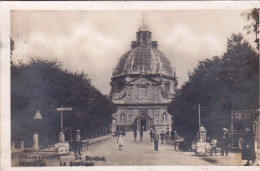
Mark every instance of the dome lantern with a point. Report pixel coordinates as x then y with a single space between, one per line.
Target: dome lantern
144 35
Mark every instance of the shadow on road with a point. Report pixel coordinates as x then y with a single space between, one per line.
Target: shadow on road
210 160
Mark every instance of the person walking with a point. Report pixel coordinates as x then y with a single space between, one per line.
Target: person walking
77 143
248 147
155 140
213 144
162 137
172 136
120 140
135 135
225 142
167 137
141 135
151 135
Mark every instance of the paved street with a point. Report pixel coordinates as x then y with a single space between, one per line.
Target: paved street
140 154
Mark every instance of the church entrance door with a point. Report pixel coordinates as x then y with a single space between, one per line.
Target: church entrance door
143 124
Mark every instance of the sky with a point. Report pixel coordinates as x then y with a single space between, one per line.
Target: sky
94 41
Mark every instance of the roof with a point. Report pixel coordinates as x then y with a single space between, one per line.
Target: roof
143 59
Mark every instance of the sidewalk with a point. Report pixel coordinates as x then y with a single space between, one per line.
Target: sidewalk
98 139
51 148
233 158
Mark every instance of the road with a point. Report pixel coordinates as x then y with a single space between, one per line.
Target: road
143 154
140 154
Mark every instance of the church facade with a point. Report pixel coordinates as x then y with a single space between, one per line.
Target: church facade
143 83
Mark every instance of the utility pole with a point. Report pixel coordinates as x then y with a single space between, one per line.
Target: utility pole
61 110
199 113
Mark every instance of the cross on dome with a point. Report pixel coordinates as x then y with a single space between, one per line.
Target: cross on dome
144 27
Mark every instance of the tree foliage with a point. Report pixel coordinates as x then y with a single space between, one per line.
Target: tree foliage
252 16
43 85
219 84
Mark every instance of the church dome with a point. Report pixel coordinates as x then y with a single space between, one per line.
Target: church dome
144 57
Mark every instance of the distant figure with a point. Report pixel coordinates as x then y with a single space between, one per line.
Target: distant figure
135 135
172 136
167 137
213 144
77 141
156 139
225 142
141 135
123 132
116 132
151 135
120 140
162 137
248 147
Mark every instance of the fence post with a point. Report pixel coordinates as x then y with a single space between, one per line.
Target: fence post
35 141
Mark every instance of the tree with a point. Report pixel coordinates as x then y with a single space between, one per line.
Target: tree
253 16
43 85
219 84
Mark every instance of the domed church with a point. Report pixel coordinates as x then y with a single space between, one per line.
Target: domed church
143 83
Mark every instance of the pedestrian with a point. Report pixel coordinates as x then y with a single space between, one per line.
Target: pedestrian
141 135
77 141
167 137
225 142
213 144
123 131
162 137
135 135
120 140
172 136
248 147
156 139
151 135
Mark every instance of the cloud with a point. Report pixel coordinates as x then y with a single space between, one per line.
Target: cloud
85 49
182 38
93 41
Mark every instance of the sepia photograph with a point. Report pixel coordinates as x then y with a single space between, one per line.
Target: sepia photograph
93 88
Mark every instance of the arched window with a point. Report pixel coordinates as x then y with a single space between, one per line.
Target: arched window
122 117
167 88
164 117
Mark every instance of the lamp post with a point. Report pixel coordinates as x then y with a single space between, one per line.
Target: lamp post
257 127
175 139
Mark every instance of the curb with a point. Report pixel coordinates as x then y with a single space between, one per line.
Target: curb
93 142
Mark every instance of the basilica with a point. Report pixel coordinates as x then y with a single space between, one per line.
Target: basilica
143 83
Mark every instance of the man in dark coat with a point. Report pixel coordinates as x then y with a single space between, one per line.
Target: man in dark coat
167 136
225 142
77 141
155 140
151 135
162 135
248 147
135 135
141 135
172 136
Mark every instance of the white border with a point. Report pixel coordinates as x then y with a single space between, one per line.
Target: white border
6 7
